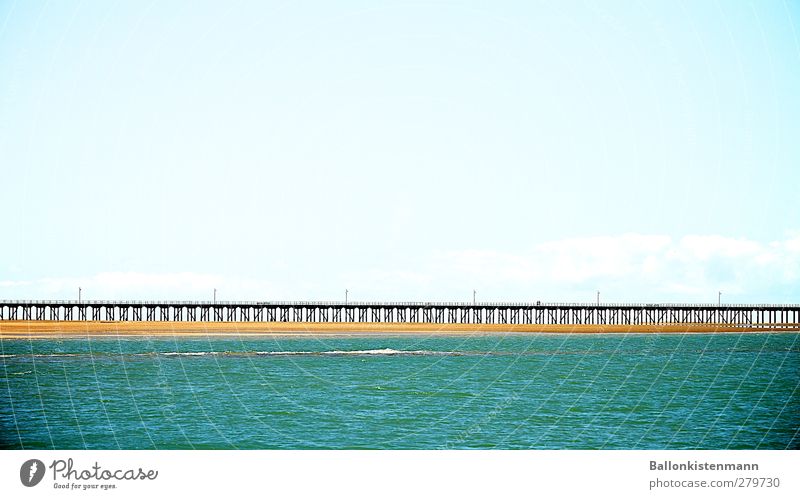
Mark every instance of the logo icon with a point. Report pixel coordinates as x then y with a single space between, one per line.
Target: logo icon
31 472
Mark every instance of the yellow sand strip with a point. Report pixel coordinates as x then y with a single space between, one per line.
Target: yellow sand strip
59 329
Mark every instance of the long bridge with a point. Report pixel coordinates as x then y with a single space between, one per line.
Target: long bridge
755 315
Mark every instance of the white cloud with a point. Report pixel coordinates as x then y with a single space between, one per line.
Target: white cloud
569 260
628 267
690 268
703 248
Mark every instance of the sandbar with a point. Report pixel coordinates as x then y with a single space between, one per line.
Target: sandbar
14 329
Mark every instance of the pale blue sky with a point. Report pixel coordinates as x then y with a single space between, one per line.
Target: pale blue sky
406 150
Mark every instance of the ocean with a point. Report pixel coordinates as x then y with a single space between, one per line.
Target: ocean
520 391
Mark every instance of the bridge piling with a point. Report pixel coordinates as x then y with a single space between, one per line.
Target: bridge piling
435 313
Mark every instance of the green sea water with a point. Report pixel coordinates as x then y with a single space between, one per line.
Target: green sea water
616 391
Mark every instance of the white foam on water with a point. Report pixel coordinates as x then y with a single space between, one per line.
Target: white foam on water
286 353
188 354
380 351
39 355
276 353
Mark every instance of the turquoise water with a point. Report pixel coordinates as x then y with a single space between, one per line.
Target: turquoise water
509 392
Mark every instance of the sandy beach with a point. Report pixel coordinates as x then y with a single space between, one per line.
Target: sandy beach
65 329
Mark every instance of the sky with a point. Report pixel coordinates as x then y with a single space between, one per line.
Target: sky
404 150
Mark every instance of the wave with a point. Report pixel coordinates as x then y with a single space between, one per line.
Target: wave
29 355
287 353
275 353
381 351
187 354
386 352
279 353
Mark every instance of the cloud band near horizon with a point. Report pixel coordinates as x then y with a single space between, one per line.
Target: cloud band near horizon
627 267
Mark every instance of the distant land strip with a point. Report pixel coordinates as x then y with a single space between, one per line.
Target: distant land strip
37 329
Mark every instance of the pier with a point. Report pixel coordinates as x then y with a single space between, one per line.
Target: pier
750 315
